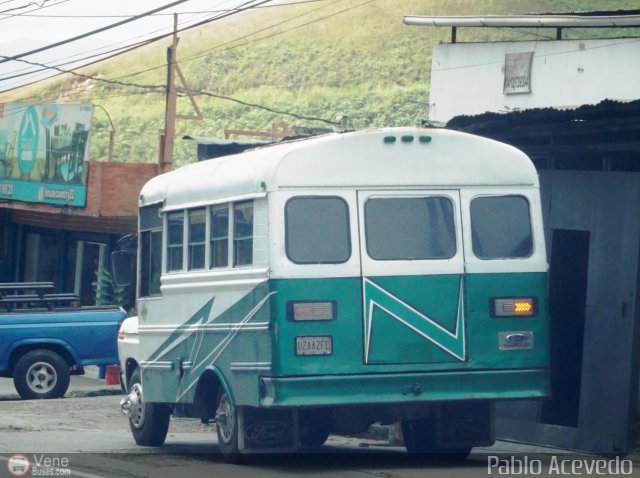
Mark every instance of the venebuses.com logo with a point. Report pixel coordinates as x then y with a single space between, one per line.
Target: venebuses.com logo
18 465
37 465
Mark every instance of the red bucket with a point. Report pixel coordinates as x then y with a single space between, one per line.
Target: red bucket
111 375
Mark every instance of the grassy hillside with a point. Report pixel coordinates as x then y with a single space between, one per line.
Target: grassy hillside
318 59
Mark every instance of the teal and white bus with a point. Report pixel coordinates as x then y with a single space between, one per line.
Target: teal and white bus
321 285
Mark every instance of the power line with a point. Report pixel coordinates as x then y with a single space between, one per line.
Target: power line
165 14
29 71
159 88
26 6
93 32
117 51
243 7
95 52
283 31
259 106
202 54
7 16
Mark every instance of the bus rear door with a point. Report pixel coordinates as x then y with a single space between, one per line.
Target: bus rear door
412 264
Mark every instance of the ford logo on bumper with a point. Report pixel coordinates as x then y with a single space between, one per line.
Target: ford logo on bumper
521 340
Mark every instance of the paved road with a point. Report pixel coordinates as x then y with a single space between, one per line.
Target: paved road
91 433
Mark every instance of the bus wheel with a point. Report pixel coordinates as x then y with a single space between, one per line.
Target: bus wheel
149 422
315 426
420 439
227 427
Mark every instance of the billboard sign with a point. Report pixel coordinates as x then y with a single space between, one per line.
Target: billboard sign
44 152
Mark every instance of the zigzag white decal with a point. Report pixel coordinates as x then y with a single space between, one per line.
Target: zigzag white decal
375 296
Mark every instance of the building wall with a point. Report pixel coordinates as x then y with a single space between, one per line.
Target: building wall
606 207
588 161
468 78
112 200
116 187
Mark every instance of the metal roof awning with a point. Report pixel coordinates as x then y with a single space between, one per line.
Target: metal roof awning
527 21
618 19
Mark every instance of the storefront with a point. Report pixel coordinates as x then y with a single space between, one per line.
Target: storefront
71 245
60 213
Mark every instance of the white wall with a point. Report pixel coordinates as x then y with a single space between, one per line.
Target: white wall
467 78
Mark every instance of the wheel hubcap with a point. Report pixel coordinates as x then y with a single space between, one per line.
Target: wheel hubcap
225 418
135 406
42 377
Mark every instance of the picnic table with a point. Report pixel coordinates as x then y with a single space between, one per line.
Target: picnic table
18 296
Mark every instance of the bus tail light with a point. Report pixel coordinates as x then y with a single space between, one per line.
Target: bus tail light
307 311
514 307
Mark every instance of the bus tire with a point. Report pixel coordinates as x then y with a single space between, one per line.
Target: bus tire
41 374
149 422
315 426
420 439
227 427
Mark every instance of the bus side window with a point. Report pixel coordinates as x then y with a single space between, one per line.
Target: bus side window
175 225
501 227
243 233
150 250
197 241
219 217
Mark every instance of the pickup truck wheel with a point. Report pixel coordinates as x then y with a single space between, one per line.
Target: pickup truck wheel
149 422
41 374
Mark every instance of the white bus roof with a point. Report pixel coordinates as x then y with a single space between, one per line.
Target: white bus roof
357 160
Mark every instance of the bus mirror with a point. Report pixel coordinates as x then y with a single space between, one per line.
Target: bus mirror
121 269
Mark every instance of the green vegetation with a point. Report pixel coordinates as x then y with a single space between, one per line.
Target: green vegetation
319 59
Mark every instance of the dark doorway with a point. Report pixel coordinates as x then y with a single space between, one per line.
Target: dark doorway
567 307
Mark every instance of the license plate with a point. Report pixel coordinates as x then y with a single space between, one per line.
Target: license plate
314 345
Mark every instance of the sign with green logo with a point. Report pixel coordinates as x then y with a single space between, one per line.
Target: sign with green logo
44 152
28 140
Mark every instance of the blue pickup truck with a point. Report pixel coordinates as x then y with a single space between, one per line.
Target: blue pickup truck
46 337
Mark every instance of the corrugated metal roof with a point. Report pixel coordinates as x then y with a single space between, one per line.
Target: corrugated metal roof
220 141
603 108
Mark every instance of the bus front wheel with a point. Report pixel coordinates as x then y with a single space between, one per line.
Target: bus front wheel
149 422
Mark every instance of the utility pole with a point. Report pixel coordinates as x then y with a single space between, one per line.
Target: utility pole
166 140
167 135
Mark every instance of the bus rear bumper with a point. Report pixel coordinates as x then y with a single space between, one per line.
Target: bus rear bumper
330 390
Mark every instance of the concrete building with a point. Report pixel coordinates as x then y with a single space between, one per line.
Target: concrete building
574 107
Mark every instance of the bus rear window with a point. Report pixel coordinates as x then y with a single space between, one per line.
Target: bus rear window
501 227
410 228
317 230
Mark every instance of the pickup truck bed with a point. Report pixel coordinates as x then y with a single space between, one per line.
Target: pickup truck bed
41 347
